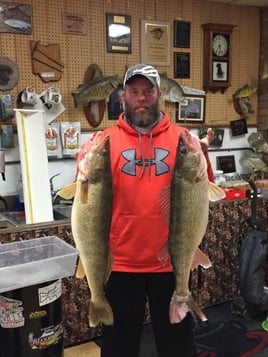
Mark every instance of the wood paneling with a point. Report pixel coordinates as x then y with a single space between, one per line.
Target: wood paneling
78 51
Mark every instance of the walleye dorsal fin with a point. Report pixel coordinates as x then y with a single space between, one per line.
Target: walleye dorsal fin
67 192
164 203
215 193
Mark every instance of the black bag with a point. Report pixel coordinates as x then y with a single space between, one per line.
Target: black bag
253 254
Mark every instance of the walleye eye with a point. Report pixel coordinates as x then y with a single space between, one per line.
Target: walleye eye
183 150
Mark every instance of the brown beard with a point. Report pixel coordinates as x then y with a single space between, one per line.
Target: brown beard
142 120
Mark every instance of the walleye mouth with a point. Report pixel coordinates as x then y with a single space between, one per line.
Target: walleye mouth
189 145
189 142
182 148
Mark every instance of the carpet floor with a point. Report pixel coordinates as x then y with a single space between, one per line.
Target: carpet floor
225 334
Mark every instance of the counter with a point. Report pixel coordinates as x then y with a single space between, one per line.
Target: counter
216 285
221 243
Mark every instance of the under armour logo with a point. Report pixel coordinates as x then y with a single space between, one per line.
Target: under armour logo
132 162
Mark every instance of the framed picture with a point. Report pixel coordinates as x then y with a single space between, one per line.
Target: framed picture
73 24
220 71
155 42
218 135
182 32
239 127
191 109
16 18
226 163
116 103
181 65
118 33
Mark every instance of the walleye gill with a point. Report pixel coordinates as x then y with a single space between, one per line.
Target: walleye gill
90 220
189 209
98 89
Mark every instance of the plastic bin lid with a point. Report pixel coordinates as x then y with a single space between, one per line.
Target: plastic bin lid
35 261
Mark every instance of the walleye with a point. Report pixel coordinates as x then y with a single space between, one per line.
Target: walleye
170 89
91 218
98 89
190 192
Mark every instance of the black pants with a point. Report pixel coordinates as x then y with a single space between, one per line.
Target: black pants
127 294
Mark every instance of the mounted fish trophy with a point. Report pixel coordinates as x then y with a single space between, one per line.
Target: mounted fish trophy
171 91
258 160
94 92
9 74
241 100
96 89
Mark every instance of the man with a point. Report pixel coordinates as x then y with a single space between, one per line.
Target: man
192 110
117 104
143 149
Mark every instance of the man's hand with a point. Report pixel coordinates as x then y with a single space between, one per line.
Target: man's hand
205 142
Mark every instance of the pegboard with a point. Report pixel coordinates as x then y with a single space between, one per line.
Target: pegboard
79 51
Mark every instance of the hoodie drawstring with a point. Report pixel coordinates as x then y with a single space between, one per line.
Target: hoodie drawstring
143 160
150 154
142 156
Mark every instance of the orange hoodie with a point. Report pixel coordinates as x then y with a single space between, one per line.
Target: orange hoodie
142 166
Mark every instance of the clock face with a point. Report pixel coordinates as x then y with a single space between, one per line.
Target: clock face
219 45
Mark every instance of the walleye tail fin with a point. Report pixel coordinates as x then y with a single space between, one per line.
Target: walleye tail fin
100 313
180 306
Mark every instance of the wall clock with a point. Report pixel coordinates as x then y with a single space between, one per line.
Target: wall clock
217 56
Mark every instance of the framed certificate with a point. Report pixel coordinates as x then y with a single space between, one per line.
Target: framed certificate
155 42
181 65
118 33
182 33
